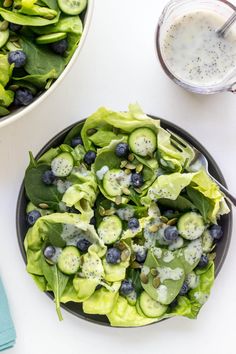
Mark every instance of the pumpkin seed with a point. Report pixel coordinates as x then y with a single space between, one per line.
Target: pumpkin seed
154 272
126 191
121 246
131 157
43 206
118 199
123 163
125 255
101 211
144 278
13 39
130 166
172 221
153 228
139 168
4 25
127 172
109 212
17 44
7 3
91 131
136 265
164 219
156 282
14 87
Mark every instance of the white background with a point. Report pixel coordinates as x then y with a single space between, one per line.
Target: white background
117 65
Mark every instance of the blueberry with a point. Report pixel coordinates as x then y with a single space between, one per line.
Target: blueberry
184 289
89 157
76 141
60 47
126 287
122 150
48 177
203 261
216 232
32 216
23 97
137 180
17 57
173 304
83 244
14 27
171 234
113 255
93 221
133 223
141 256
49 252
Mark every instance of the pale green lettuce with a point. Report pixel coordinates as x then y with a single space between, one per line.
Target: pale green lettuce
105 121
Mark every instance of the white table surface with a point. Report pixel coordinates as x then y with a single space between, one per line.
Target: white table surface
117 65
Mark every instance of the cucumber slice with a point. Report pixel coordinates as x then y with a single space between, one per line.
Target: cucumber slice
143 141
4 35
138 308
114 181
62 165
50 38
69 260
150 307
191 225
110 229
72 7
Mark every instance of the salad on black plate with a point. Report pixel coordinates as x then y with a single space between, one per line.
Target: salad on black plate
117 223
37 40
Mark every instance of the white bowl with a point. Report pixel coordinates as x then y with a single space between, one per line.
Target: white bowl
18 113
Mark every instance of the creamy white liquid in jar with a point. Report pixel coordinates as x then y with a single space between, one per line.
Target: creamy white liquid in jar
193 51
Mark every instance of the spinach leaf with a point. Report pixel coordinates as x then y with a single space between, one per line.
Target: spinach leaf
180 203
107 158
75 131
38 81
41 61
52 4
57 282
54 231
134 275
25 20
37 191
3 111
202 203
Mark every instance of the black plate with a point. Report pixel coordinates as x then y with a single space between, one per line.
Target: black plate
225 221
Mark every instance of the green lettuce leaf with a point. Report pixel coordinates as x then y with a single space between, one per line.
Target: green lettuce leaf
125 122
5 70
6 97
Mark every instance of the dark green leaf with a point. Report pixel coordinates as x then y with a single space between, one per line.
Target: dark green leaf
74 132
181 203
37 191
202 203
52 4
134 275
57 282
41 61
54 231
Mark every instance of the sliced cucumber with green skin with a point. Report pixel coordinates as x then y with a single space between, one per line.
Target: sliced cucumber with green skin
138 308
62 165
150 307
4 35
50 38
114 181
191 225
110 229
143 141
69 260
72 7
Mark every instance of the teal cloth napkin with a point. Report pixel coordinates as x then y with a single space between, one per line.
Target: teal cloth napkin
7 330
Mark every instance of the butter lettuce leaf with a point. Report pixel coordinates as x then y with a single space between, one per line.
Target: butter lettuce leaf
106 121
